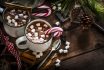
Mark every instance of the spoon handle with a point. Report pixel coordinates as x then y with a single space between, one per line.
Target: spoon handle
45 59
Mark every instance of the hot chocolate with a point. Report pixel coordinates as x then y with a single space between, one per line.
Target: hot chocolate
16 17
35 32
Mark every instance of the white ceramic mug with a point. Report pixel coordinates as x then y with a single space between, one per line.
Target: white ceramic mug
35 47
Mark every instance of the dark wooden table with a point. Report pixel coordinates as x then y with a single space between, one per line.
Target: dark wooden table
81 42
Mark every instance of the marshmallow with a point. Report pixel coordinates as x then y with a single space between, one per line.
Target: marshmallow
25 16
32 26
16 17
58 61
21 15
54 7
8 17
9 21
33 30
43 36
15 24
67 43
57 64
13 20
65 51
57 23
61 51
41 40
39 28
13 10
45 25
37 56
29 34
38 24
67 47
36 34
41 54
24 21
19 10
24 12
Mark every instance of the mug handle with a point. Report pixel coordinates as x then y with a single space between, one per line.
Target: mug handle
21 42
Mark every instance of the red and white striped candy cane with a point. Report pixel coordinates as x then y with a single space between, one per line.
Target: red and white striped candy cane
49 11
56 30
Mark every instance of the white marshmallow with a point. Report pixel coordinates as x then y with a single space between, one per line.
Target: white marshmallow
37 56
13 10
59 8
24 21
36 34
58 61
57 64
9 21
67 47
41 40
61 51
25 16
24 12
54 7
33 30
38 24
41 54
29 34
45 25
67 43
39 28
15 23
57 23
13 20
8 17
19 10
65 51
32 26
16 17
43 36
21 15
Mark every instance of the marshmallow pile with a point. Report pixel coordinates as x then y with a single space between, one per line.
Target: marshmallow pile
65 50
16 17
38 55
36 32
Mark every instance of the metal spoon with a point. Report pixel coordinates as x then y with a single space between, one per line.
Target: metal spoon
56 45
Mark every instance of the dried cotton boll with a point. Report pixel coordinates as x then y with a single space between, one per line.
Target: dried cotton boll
59 8
67 43
45 25
36 34
43 36
13 10
9 21
38 56
59 4
40 28
41 53
15 24
13 20
29 34
25 16
24 21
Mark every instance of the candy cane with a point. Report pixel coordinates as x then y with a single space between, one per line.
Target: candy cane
56 30
43 14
